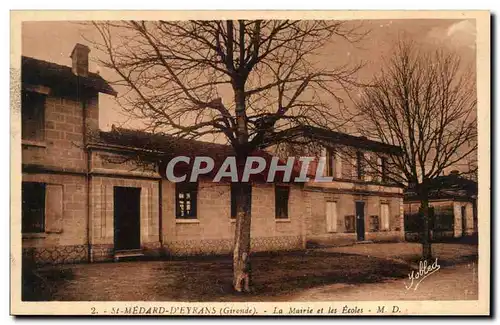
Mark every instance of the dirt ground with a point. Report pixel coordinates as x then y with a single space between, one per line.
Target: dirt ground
459 282
356 272
447 253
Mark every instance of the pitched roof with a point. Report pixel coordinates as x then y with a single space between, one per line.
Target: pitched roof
165 147
349 140
162 144
39 72
450 186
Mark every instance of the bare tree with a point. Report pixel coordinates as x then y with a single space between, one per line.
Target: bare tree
425 103
254 82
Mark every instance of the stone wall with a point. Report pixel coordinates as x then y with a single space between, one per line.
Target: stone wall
455 206
212 232
317 232
67 242
63 143
74 214
102 213
469 219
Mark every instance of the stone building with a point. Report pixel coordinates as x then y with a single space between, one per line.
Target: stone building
453 200
87 197
360 204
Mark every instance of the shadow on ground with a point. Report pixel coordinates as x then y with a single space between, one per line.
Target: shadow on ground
205 278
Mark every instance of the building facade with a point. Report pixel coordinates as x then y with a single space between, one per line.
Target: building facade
453 202
87 198
360 204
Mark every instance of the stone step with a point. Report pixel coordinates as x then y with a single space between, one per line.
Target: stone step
364 242
132 253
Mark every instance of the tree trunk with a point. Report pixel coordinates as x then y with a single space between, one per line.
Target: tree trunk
426 236
241 253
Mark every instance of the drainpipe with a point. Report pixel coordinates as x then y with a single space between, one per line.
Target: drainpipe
160 213
89 214
83 100
80 68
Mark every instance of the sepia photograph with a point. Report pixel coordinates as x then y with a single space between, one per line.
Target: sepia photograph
250 163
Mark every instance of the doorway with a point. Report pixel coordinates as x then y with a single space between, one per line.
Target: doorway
127 212
360 220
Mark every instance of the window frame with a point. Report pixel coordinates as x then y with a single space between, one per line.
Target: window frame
353 230
190 188
25 229
383 167
331 161
377 223
278 188
360 165
37 102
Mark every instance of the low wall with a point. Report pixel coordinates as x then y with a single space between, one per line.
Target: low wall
342 239
55 254
225 246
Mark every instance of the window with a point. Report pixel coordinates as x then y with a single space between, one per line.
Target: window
234 193
33 207
443 220
384 212
383 167
281 194
185 197
374 223
331 216
32 116
349 223
347 168
330 162
359 165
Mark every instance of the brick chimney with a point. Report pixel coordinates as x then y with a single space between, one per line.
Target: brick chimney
80 58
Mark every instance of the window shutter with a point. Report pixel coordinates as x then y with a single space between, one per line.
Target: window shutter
379 170
331 216
368 168
338 165
385 216
54 208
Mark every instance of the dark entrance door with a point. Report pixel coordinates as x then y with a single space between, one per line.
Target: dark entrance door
464 220
360 220
127 211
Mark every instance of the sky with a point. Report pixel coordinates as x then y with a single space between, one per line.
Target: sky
54 40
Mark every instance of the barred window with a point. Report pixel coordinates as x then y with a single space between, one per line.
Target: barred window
350 225
185 200
374 223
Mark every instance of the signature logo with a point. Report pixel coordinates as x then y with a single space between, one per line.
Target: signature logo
424 270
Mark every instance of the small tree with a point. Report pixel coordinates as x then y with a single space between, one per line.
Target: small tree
254 82
424 103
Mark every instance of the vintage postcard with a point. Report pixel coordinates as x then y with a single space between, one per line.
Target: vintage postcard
282 163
